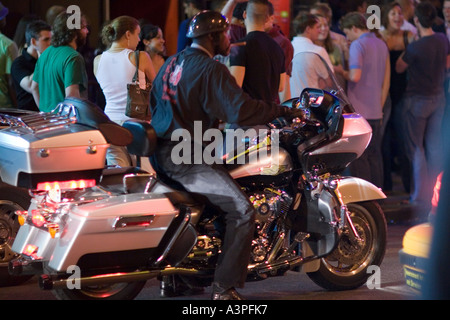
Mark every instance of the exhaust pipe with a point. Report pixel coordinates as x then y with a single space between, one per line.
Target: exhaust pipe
283 264
47 282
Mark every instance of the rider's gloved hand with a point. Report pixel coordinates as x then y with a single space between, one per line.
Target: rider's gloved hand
292 113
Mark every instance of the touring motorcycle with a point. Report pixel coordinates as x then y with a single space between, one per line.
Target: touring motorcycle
99 233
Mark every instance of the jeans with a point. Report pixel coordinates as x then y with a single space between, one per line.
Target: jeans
393 146
423 124
215 183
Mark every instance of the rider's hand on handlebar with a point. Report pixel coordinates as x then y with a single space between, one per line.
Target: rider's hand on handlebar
293 113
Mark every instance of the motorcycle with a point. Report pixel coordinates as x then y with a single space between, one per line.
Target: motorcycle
96 233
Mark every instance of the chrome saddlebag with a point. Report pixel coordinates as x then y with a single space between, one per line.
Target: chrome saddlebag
86 232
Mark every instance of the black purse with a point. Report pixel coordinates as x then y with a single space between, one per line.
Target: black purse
138 99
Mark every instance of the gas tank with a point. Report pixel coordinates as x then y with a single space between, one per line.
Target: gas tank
269 162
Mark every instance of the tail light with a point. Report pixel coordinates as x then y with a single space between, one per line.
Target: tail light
65 185
37 218
30 250
437 188
52 206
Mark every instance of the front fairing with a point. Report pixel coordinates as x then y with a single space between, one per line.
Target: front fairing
326 102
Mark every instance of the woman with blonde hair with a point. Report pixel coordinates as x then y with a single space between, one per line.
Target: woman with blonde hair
115 68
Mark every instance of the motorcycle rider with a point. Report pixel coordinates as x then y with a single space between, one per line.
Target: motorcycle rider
192 87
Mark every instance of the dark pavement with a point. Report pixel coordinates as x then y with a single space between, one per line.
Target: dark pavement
397 208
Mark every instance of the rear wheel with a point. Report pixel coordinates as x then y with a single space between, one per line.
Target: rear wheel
116 291
11 199
346 267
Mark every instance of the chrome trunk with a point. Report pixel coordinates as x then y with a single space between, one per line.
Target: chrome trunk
47 145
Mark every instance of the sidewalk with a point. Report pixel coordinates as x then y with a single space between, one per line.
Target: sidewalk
398 210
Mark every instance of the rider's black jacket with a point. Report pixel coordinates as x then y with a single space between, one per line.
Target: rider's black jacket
193 87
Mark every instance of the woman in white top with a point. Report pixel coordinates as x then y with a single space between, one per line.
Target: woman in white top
115 68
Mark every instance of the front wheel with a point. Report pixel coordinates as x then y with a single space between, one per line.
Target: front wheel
346 267
116 291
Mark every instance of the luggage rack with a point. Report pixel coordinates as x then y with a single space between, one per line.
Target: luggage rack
61 116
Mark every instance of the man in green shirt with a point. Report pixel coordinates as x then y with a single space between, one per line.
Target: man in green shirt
8 52
60 71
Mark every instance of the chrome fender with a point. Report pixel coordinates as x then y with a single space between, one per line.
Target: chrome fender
351 189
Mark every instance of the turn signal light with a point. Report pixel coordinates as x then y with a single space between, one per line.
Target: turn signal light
21 216
21 220
53 229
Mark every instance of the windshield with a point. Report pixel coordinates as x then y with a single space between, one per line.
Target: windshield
310 70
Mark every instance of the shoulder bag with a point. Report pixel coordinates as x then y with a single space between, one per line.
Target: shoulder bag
138 99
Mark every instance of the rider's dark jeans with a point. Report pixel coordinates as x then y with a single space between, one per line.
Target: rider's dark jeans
214 182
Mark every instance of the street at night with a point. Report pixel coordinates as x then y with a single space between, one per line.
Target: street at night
292 286
169 151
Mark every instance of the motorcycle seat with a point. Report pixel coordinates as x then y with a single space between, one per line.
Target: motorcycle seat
112 177
113 180
144 138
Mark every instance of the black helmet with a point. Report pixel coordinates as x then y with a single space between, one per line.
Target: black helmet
206 22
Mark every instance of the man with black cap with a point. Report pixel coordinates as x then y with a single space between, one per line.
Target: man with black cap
8 52
192 88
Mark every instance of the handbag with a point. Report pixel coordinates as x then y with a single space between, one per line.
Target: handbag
138 99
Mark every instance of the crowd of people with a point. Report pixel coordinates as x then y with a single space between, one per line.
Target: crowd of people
395 76
386 73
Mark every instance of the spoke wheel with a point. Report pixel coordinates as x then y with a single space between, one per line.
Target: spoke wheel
116 291
346 267
11 199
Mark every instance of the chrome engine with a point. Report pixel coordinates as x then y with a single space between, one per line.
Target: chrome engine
206 248
269 204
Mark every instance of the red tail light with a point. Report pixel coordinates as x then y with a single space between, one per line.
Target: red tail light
30 250
64 185
37 218
437 188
